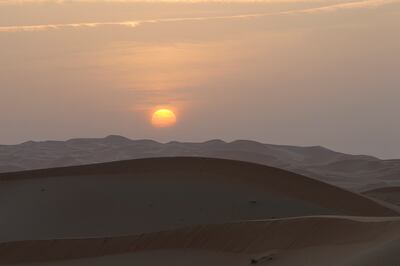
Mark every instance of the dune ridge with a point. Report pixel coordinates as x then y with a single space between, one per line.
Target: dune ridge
386 194
269 179
356 172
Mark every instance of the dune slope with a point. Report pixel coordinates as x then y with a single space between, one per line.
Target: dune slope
356 172
150 195
290 241
388 194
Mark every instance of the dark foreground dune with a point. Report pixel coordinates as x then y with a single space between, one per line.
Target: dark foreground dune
296 241
388 194
184 211
148 195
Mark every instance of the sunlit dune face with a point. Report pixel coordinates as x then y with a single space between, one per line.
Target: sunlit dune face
163 118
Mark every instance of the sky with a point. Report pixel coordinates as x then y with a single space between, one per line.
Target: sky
308 72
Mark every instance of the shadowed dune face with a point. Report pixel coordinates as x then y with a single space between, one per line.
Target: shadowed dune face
297 241
149 195
387 194
168 257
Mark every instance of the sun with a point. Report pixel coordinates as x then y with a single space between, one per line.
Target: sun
163 118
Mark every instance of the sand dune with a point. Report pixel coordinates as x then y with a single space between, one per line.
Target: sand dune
356 172
148 195
187 211
387 194
291 241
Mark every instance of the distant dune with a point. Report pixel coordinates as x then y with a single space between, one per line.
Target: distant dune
356 172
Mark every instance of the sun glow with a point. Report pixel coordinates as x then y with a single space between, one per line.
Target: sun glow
163 118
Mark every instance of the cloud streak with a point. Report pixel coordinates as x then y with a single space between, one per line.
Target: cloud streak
14 2
135 23
343 6
44 27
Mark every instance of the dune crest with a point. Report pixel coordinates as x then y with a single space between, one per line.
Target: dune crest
356 172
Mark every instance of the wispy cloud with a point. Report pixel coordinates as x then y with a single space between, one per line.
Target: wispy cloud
135 23
132 24
13 2
68 25
343 6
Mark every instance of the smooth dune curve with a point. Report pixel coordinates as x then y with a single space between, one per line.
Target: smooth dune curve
305 240
387 194
150 195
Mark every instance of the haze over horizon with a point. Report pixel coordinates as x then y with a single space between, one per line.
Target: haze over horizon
164 142
281 72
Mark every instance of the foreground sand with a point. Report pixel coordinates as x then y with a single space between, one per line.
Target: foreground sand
188 211
292 241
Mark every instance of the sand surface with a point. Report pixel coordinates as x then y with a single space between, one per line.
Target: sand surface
355 172
188 211
387 194
291 241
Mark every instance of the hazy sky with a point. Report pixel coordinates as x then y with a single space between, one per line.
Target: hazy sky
305 72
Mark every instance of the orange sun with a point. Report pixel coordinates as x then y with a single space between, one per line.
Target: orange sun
163 118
